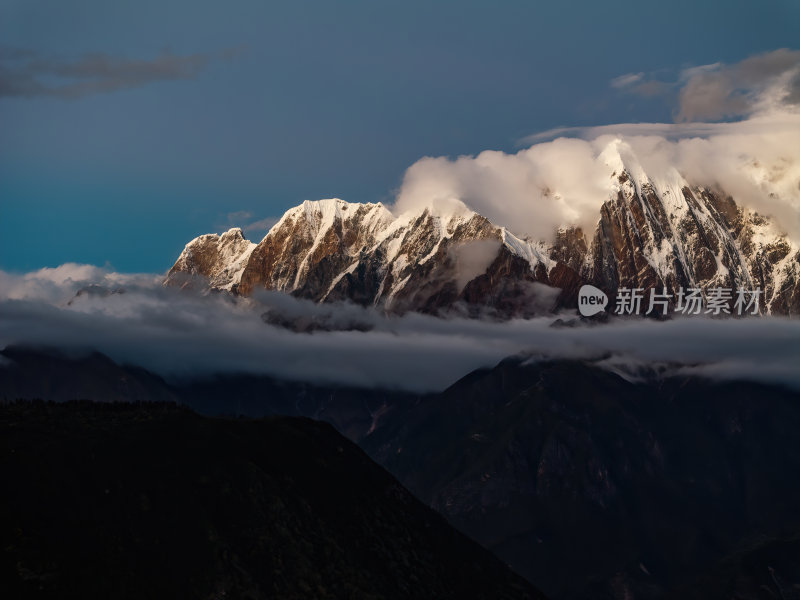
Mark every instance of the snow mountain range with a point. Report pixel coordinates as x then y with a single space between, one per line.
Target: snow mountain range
651 232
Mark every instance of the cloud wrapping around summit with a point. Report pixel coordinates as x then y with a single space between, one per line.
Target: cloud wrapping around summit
134 319
565 181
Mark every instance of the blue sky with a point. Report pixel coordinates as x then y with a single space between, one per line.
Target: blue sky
290 101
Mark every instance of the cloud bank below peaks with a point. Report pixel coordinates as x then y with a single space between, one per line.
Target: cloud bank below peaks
563 182
179 333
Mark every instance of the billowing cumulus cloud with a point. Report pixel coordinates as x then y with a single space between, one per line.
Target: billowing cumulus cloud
532 192
135 320
564 181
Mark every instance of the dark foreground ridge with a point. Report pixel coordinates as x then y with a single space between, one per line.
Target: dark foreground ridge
589 484
154 501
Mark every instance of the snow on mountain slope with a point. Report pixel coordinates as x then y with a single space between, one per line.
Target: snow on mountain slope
221 259
651 232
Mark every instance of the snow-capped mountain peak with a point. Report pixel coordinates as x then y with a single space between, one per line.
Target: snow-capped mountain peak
652 232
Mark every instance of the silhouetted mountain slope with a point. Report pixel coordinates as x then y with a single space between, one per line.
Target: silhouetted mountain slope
766 568
589 484
50 374
594 486
153 501
355 412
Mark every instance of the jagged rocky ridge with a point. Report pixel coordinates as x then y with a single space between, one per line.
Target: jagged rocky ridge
650 233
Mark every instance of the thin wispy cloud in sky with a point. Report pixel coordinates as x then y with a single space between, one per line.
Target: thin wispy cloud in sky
723 91
245 219
26 73
626 80
261 225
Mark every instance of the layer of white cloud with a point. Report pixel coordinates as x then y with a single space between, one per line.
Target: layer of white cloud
178 333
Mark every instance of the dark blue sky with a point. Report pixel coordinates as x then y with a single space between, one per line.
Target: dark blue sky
305 100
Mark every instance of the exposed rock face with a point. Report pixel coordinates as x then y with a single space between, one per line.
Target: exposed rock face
313 246
217 260
332 250
650 234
